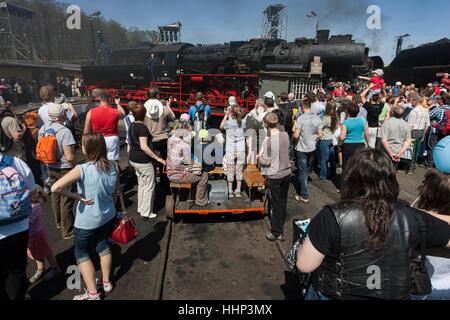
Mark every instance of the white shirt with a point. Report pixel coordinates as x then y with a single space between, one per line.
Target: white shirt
21 226
318 108
439 270
419 118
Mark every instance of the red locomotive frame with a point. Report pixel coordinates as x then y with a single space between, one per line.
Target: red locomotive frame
217 88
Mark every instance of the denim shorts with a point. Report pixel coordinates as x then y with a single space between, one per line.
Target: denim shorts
86 239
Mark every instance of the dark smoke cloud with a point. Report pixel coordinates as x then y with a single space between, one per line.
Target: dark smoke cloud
351 16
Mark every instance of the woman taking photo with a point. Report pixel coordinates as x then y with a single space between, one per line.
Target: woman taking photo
327 156
235 149
354 133
141 157
97 181
368 230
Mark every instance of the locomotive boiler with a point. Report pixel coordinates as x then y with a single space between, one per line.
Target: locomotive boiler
239 68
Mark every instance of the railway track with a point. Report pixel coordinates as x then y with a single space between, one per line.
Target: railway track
192 253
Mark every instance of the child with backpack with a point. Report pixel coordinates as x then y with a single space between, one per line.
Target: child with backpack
16 181
235 150
39 248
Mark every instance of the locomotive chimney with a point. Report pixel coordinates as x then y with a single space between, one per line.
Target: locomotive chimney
323 36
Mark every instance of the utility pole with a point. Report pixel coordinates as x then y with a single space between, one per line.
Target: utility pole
94 47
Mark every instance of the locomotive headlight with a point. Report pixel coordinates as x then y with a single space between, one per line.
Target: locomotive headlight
165 74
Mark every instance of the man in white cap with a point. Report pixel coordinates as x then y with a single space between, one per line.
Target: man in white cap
397 88
157 121
271 95
62 206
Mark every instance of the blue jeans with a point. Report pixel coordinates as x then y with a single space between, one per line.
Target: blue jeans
304 162
327 156
312 295
436 295
85 238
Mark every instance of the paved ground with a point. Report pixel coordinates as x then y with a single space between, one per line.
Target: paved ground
209 258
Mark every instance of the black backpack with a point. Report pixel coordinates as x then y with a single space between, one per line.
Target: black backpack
287 116
200 117
6 142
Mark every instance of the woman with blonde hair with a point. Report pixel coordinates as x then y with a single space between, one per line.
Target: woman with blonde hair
235 149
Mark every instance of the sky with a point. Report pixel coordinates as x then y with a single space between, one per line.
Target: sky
219 21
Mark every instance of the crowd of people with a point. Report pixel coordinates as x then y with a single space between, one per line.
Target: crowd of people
18 92
364 136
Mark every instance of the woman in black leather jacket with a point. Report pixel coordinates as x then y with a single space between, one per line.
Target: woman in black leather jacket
363 247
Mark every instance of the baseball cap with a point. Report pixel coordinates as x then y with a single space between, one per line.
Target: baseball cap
55 110
442 155
270 95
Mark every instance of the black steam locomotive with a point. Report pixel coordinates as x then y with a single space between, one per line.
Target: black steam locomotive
233 68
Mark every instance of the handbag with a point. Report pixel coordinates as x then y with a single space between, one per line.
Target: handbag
420 280
303 280
124 227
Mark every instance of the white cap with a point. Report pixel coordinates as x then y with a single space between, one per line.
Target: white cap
399 84
379 72
232 101
270 95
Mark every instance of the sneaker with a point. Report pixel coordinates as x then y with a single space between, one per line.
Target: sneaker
52 274
107 287
271 237
238 195
300 199
36 277
230 195
87 297
149 216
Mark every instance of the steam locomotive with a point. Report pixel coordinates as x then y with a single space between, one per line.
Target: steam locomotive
242 69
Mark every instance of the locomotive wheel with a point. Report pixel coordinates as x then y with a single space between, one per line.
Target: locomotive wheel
170 208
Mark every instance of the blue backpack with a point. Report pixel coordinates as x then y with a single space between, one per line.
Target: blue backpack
15 204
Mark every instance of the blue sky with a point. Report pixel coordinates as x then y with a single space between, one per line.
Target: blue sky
218 21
